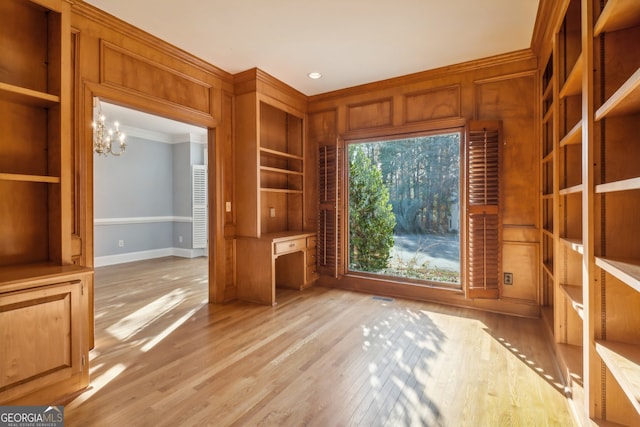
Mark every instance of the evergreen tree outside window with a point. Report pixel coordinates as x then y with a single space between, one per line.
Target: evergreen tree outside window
371 219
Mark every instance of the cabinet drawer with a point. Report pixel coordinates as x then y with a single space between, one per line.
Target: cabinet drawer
311 242
312 273
311 256
290 246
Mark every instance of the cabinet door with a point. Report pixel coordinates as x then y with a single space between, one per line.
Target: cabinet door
41 341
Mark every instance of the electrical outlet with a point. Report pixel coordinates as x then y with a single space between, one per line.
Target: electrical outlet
180 239
508 278
227 207
272 212
121 243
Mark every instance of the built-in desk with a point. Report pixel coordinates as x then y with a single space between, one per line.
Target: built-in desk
286 259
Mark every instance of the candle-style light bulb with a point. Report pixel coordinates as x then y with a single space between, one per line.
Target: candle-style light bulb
104 135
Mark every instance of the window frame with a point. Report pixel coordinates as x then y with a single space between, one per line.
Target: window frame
347 140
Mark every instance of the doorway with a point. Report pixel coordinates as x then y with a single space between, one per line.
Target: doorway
150 201
151 276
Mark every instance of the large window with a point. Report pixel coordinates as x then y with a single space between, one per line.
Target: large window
404 208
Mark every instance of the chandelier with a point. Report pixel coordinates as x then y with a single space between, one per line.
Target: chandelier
105 136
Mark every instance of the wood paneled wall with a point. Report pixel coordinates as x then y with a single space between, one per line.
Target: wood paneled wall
124 65
499 88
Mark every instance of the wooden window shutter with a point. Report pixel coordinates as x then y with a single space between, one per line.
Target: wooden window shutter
484 222
199 209
328 225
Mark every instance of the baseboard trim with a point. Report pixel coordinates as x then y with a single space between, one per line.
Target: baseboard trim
106 260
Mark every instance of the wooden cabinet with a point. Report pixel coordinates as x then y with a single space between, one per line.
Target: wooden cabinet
590 198
270 189
285 259
44 301
45 333
312 259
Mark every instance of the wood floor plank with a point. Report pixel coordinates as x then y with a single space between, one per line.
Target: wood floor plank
321 357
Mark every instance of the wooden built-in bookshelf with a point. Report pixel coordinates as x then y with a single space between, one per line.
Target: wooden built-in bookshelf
42 293
593 242
270 194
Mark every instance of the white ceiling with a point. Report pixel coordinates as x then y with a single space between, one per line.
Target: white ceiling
351 42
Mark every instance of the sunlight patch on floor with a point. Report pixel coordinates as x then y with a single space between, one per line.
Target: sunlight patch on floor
531 364
97 384
171 278
162 335
139 319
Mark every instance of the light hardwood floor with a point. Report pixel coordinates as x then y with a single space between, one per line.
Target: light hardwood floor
321 357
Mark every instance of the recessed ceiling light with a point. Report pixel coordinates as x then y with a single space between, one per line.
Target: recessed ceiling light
314 75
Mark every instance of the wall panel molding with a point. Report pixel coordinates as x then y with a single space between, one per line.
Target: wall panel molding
371 114
322 126
430 104
521 259
110 22
124 69
512 98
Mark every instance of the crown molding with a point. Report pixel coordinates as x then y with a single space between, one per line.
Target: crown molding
257 80
478 64
548 20
105 19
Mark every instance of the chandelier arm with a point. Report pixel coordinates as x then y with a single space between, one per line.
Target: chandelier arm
104 136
